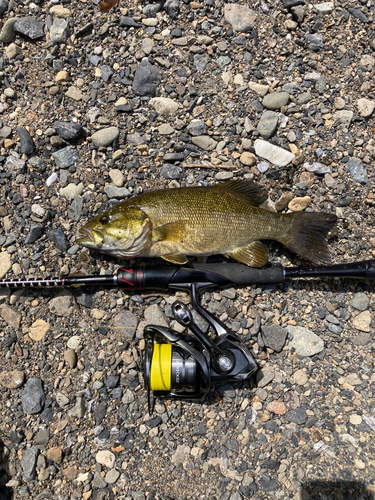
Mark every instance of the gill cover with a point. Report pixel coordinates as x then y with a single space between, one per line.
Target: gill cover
124 231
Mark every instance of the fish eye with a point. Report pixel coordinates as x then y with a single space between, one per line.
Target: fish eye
104 220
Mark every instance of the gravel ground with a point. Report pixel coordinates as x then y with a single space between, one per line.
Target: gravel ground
95 107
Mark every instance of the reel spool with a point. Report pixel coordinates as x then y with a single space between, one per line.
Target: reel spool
184 366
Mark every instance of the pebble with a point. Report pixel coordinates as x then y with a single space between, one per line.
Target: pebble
154 316
299 204
32 396
74 342
59 31
276 407
7 33
360 301
62 304
70 357
105 136
169 171
58 237
117 177
362 321
267 124
258 88
113 191
5 263
12 379
300 377
365 107
68 130
146 79
275 100
12 50
317 168
10 315
164 106
106 458
344 116
240 17
274 337
112 476
125 322
357 170
205 142
30 27
274 154
28 463
35 232
65 157
304 342
248 159
55 454
39 329
74 93
197 128
71 191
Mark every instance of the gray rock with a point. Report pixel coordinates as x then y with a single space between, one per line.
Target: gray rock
14 165
125 323
59 239
263 166
27 144
105 136
357 170
32 396
68 130
200 62
365 107
106 72
274 337
94 59
344 116
298 13
78 409
358 14
172 8
4 4
240 17
129 22
304 341
60 30
223 61
113 191
169 171
10 315
75 209
98 482
28 463
267 124
62 305
155 316
317 168
304 98
197 127
36 231
204 142
275 100
128 397
360 301
324 7
224 176
297 416
291 3
164 106
146 79
174 157
150 10
7 33
274 154
29 26
265 375
65 157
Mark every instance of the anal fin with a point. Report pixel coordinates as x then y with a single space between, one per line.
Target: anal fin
255 254
176 258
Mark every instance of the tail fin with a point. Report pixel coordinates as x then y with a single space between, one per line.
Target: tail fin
307 236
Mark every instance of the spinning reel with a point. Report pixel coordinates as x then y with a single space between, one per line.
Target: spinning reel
185 365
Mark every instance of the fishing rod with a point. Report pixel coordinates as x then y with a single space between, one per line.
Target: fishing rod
186 365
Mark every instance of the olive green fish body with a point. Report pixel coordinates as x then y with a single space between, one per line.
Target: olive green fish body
197 221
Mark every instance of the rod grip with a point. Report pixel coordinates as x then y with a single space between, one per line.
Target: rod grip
242 275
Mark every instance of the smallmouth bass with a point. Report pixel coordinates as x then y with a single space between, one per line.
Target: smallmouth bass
201 221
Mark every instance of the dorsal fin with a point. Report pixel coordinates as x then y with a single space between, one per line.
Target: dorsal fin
249 191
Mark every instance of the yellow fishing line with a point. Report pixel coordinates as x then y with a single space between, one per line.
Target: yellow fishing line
161 367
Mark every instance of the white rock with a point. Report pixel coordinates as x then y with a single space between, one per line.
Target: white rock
274 154
164 105
106 457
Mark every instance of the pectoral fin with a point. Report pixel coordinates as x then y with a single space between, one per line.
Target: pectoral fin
255 254
174 232
179 259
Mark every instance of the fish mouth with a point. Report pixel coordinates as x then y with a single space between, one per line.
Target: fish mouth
89 238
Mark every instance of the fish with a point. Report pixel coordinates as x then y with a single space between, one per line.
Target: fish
206 220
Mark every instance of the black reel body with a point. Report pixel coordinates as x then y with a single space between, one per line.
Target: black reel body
185 365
